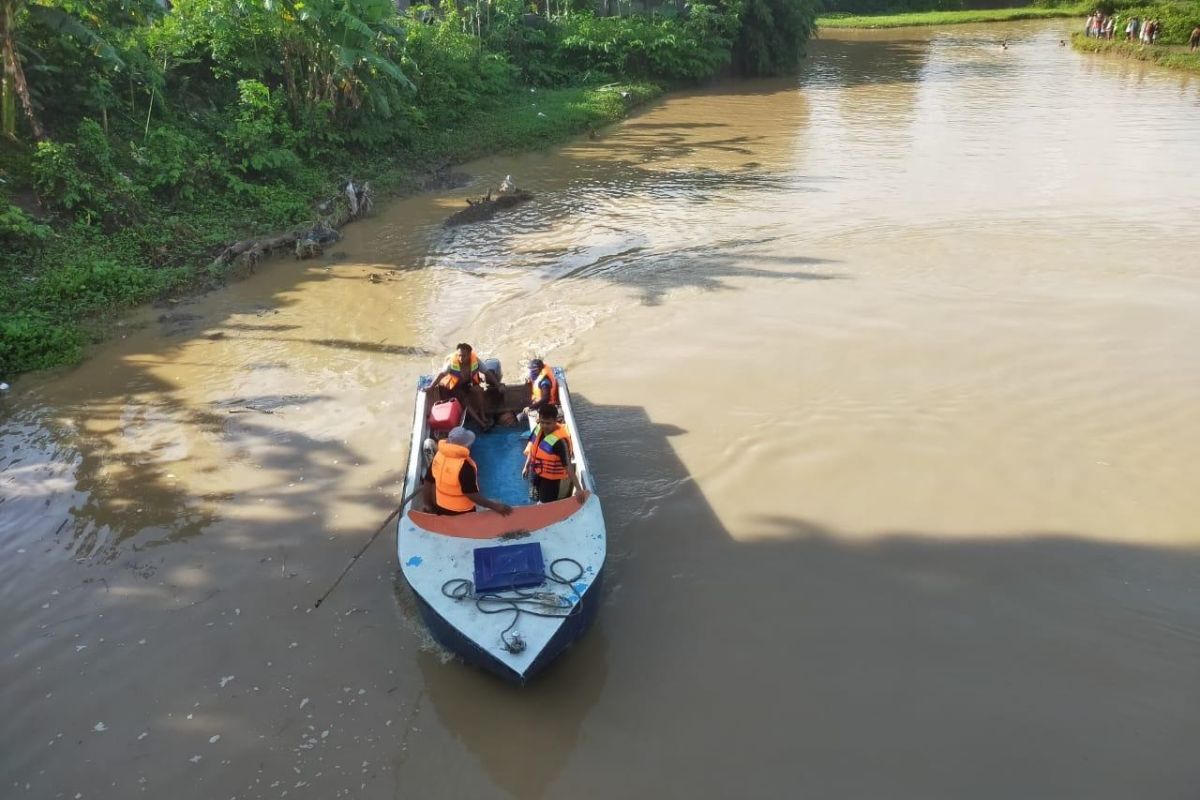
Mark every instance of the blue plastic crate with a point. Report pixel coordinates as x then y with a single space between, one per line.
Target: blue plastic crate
513 566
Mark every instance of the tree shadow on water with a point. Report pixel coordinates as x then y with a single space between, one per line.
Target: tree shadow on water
905 664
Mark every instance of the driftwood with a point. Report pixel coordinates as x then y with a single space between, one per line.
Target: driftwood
487 207
352 201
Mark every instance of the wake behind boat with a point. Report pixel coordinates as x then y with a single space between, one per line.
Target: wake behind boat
506 593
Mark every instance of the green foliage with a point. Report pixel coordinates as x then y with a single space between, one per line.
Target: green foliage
452 74
158 136
80 288
30 340
82 178
260 138
167 162
1158 54
772 34
17 230
671 48
1177 18
41 326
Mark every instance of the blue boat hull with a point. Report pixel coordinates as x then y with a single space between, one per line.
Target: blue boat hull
571 631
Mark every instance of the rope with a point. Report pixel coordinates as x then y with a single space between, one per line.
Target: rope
535 604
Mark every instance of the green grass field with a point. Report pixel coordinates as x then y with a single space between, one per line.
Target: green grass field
920 18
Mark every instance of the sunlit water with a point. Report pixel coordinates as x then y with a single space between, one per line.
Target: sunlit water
890 378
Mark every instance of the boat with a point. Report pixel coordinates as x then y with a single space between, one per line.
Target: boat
505 593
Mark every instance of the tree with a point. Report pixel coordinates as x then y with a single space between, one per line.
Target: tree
14 86
63 19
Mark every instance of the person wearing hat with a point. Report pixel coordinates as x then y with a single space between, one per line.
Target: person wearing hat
452 480
543 386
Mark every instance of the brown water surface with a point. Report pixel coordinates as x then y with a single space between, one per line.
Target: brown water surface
890 376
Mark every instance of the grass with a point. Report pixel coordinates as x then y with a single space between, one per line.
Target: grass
1163 55
83 279
921 18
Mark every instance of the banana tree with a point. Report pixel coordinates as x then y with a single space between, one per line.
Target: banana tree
15 18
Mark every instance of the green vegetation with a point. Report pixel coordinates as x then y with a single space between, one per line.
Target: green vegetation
1173 57
914 18
1177 17
138 142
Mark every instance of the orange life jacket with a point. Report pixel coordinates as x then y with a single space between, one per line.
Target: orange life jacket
546 373
447 465
546 464
454 370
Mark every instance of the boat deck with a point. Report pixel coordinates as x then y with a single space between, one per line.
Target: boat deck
499 454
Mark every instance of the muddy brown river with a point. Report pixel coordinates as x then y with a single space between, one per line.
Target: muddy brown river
890 379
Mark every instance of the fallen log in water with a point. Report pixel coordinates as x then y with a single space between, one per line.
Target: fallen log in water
352 201
487 207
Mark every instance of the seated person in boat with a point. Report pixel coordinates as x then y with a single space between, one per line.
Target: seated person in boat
543 386
452 480
463 377
548 457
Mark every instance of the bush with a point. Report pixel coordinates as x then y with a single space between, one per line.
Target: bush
261 138
17 231
452 74
771 35
31 340
82 178
84 288
1178 19
671 48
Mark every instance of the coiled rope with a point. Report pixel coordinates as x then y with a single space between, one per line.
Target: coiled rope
536 604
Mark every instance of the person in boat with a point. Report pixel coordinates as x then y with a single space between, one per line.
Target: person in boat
452 480
548 459
463 377
543 386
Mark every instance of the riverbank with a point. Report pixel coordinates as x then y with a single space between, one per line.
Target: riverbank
1163 55
86 279
924 18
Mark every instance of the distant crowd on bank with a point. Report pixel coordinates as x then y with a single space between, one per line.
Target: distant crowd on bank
1107 26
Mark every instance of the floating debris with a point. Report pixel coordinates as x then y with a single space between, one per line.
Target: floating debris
195 759
225 681
303 703
100 727
143 735
214 739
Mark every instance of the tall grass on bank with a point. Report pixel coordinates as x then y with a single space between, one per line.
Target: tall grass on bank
924 18
1164 56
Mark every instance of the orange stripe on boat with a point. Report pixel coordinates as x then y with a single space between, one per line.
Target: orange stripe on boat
490 525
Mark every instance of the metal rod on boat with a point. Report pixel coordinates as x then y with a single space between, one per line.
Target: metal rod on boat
374 536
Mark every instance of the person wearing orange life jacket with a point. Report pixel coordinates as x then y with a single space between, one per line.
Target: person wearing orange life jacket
543 386
452 480
462 377
548 459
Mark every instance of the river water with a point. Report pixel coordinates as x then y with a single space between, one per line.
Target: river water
889 375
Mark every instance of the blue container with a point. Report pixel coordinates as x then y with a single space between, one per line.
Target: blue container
513 566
